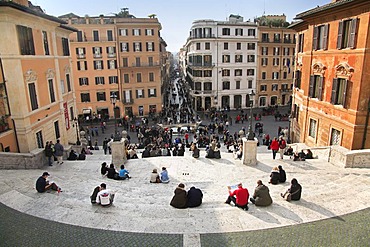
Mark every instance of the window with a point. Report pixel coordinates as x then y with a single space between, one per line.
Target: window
149 32
286 51
125 62
65 45
62 86
112 64
68 79
238 46
335 137
250 71
237 84
99 80
139 93
265 51
207 60
126 78
226 46
137 62
98 65
238 58
197 46
152 92
225 31
56 129
138 77
277 38
275 61
275 75
339 91
250 83
300 42
263 88
96 35
113 79
137 46
124 46
312 128
276 51
207 46
111 51
262 101
33 96
287 38
251 58
123 32
79 36
238 72
207 86
97 51
150 61
225 85
110 35
320 37
239 32
114 93
100 96
226 58
198 86
297 78
225 72
85 97
51 90
81 52
39 139
347 34
251 46
136 32
84 81
46 42
263 75
207 73
251 32
274 87
265 37
264 61
151 76
316 85
25 40
285 75
149 46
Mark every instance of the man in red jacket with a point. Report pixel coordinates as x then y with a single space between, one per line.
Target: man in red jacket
239 197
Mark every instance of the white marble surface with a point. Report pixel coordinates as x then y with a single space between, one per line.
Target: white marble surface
139 206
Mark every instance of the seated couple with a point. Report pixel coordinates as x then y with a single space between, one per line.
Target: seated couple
162 178
182 199
103 196
73 155
277 175
302 156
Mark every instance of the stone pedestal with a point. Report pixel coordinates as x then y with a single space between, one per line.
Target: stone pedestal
249 151
118 153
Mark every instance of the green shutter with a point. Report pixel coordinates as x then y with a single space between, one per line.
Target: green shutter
340 35
315 38
319 93
334 91
312 86
353 33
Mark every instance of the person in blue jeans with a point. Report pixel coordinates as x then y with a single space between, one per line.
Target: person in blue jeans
123 173
164 176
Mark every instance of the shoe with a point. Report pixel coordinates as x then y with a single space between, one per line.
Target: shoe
62 163
50 165
227 203
282 195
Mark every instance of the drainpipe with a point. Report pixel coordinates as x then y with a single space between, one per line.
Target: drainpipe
7 100
366 125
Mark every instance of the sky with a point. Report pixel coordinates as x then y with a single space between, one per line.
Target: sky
175 16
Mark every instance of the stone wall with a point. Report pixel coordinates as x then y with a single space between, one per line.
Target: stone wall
358 159
33 160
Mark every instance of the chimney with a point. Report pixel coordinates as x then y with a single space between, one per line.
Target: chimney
21 2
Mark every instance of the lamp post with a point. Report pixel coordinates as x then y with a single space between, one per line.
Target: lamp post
113 99
75 121
250 136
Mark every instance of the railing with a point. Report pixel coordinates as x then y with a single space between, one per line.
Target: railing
112 54
287 41
145 64
128 101
202 36
97 55
277 40
81 56
267 40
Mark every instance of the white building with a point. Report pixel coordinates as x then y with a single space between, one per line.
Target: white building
221 63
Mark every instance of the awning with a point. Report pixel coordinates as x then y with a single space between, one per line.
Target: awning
86 111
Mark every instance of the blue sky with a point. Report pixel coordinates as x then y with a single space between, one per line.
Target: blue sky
176 16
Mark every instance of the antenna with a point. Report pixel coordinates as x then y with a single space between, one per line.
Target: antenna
264 7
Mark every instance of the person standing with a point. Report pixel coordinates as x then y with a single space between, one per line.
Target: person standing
49 153
59 150
274 147
282 146
261 196
239 197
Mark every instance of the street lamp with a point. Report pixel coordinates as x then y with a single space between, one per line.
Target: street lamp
75 121
250 130
113 99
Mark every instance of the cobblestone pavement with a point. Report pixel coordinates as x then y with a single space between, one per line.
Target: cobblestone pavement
19 229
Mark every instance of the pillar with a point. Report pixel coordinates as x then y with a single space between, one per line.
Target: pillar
249 151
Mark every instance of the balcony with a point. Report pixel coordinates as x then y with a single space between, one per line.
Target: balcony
277 40
110 55
81 56
97 55
145 64
128 101
265 39
287 41
208 36
285 90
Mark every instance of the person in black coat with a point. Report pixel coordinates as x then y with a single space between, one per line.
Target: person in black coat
295 191
112 173
146 153
194 197
274 176
282 174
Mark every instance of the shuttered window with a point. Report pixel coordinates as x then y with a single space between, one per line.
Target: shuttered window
339 92
316 84
347 34
25 40
320 37
33 96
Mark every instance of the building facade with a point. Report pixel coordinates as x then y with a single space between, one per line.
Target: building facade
275 67
37 103
221 63
332 71
118 55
